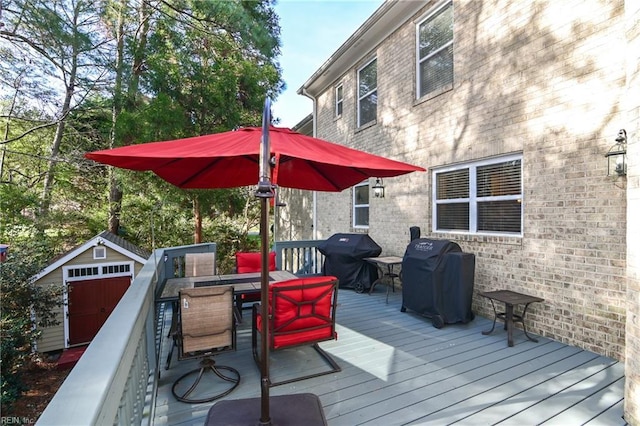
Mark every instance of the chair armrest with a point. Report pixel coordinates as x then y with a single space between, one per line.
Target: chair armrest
255 309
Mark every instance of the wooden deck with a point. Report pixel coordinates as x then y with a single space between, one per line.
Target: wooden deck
399 370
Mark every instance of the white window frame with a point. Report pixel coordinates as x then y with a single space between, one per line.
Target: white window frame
366 95
473 200
339 96
419 60
70 272
99 252
356 206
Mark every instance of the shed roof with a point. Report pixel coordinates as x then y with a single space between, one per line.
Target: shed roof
109 239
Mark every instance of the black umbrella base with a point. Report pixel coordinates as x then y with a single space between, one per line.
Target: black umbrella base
285 410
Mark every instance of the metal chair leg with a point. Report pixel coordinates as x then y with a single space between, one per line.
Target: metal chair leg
206 365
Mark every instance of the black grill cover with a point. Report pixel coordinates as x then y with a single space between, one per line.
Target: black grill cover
437 280
343 259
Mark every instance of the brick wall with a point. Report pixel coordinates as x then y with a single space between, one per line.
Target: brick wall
294 221
544 79
632 108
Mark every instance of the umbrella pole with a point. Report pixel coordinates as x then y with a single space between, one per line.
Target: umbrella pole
265 192
265 417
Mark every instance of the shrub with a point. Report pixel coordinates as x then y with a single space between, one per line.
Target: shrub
23 305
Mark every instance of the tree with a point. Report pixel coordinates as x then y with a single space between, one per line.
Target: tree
135 37
63 40
210 64
220 67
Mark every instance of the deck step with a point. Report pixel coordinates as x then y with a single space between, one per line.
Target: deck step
70 357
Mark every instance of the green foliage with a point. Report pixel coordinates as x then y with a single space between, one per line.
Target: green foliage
230 238
164 218
160 119
13 346
218 78
21 299
188 67
14 201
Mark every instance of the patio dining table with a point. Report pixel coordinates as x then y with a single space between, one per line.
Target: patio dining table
243 284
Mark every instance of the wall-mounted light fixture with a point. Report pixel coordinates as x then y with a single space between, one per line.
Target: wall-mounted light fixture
617 156
378 188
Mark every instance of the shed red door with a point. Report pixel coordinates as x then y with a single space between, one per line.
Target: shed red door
90 304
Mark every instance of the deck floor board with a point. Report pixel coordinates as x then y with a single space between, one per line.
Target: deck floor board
397 369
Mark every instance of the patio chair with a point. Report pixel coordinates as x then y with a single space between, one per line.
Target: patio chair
302 313
199 264
206 327
195 265
247 262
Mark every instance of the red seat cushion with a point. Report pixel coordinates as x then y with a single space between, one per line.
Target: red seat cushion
301 314
252 262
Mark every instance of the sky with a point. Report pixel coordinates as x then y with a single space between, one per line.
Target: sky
311 31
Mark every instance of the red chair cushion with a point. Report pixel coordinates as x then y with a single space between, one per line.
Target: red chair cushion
252 262
295 323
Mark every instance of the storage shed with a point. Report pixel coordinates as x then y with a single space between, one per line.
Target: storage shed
94 275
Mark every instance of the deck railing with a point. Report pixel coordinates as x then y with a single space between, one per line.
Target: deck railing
115 380
299 257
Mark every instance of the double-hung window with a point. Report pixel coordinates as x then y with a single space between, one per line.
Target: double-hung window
483 197
339 97
367 93
361 205
435 51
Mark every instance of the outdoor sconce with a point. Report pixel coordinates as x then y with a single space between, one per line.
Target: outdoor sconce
617 156
378 189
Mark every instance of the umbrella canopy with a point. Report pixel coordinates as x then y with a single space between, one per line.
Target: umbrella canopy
232 159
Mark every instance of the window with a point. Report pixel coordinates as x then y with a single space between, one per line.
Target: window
361 205
435 51
339 101
99 252
115 269
367 93
83 272
481 197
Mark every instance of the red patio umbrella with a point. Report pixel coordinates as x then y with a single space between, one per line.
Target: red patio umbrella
279 157
232 159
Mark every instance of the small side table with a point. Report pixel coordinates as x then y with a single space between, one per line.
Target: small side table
389 262
510 299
